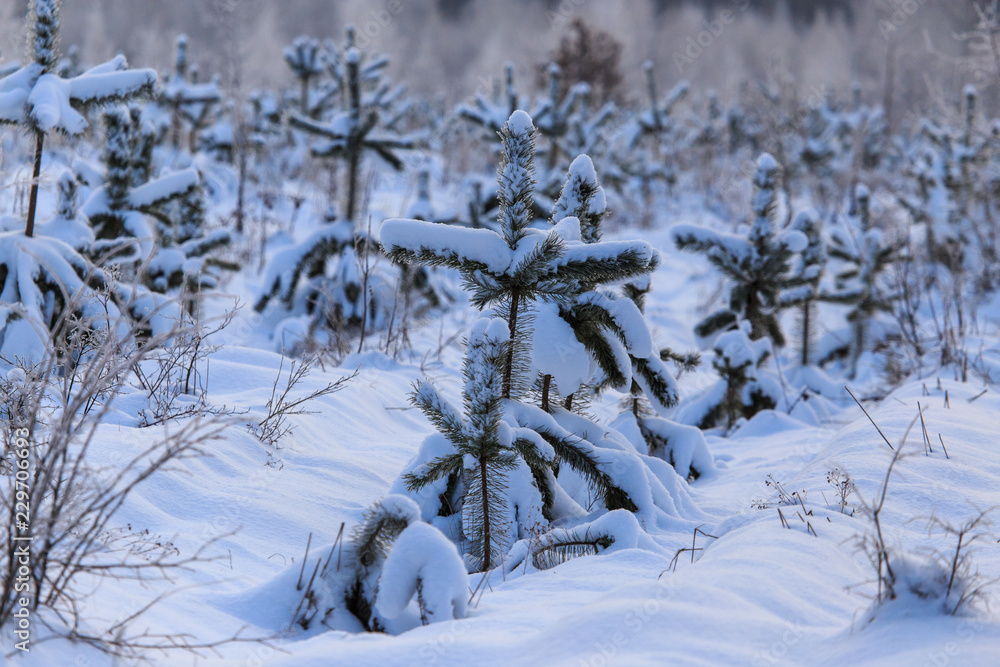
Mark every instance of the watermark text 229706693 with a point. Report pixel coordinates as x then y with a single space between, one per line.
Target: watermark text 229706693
22 540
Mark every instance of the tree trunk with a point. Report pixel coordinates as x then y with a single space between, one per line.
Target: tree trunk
752 316
858 344
515 298
483 477
568 403
546 384
731 399
241 158
36 170
353 164
806 325
175 127
304 97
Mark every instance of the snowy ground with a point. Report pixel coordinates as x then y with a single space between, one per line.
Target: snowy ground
759 593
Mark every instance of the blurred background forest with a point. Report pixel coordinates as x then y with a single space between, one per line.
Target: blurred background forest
910 55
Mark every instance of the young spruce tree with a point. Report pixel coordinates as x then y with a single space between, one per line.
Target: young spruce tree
519 265
861 283
758 265
515 271
40 277
353 133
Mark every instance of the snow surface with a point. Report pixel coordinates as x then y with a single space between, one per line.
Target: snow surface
759 593
756 593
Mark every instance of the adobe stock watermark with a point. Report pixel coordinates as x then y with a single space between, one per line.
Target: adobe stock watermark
950 652
21 550
779 648
563 14
637 618
376 21
903 10
697 44
432 651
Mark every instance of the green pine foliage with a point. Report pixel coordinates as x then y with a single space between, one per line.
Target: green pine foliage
742 390
185 260
356 131
512 269
52 103
306 59
349 590
43 26
125 213
483 454
758 264
189 102
861 283
809 273
604 322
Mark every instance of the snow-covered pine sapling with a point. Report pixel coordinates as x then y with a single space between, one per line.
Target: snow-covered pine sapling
36 98
586 133
517 266
819 147
425 566
377 91
482 456
593 327
809 272
648 155
367 582
946 179
119 211
68 225
297 275
489 114
655 122
306 58
861 284
741 391
553 116
353 133
184 258
583 198
494 469
758 264
188 100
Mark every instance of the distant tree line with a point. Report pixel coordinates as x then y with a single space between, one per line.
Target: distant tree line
802 12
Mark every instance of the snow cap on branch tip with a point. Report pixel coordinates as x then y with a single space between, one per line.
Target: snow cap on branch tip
861 192
807 217
402 507
520 123
794 240
493 328
766 162
568 229
582 167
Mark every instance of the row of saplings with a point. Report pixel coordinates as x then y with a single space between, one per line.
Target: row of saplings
513 479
